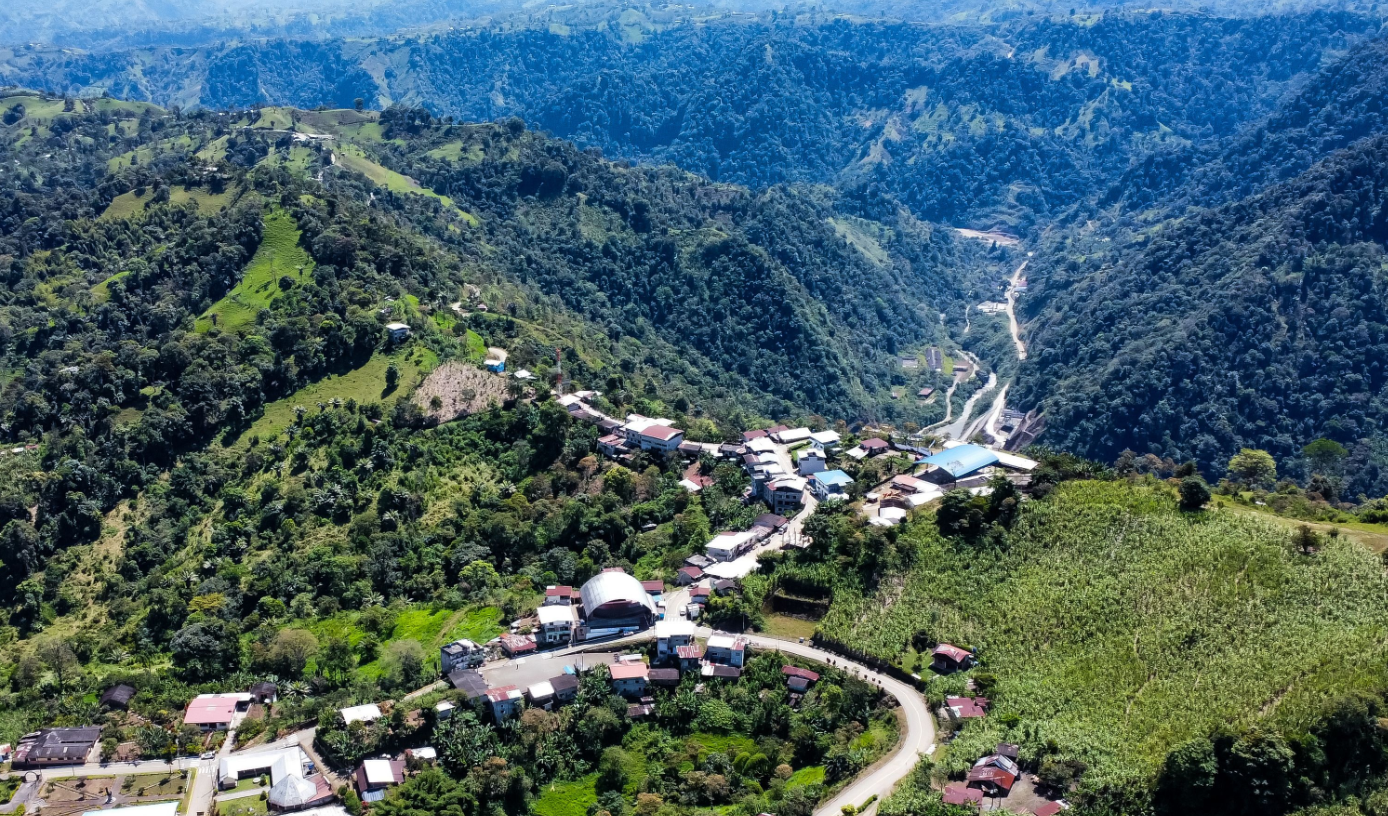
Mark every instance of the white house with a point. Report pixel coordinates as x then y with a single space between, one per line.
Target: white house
792 436
651 434
728 546
671 634
730 650
398 331
556 625
362 713
827 441
809 460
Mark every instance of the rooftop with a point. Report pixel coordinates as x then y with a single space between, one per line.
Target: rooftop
833 478
629 671
361 713
211 709
961 460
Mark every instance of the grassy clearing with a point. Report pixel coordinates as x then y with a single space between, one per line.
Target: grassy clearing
1118 627
459 152
129 204
784 626
245 806
813 775
730 744
1373 536
153 785
278 256
352 157
567 798
365 384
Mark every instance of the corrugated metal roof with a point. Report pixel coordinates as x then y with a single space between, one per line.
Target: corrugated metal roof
962 460
606 587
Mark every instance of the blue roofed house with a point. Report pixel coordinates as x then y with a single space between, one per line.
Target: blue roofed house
958 462
830 484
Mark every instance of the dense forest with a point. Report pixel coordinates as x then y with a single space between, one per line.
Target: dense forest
1258 323
1005 125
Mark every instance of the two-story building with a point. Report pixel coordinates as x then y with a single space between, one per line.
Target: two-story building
505 701
729 650
461 654
670 635
556 625
630 679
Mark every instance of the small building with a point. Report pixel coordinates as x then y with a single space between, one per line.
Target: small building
654 588
519 645
827 441
748 436
966 708
398 332
791 436
425 754
688 575
613 446
505 702
294 793
948 658
958 793
541 694
1050 808
496 360
729 650
1009 750
263 692
700 593
799 679
470 682
719 671
560 595
629 679
651 434
117 697
56 746
461 654
215 712
443 710
663 677
869 447
374 776
809 460
689 657
362 713
771 521
640 711
729 546
565 688
723 586
556 624
994 775
830 484
670 635
699 560
925 393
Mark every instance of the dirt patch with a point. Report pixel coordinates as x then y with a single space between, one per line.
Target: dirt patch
457 389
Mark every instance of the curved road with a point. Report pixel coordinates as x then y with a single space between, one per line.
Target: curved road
917 738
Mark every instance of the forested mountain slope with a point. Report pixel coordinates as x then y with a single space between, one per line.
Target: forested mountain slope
1261 323
984 125
169 278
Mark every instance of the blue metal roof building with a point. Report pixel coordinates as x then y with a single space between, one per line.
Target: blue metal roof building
834 478
960 461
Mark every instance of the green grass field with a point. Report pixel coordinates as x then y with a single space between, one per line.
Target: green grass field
812 775
1118 627
365 384
458 152
279 255
566 798
352 157
730 744
128 204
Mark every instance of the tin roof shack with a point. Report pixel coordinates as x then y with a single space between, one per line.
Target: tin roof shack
947 658
117 697
798 679
470 682
373 776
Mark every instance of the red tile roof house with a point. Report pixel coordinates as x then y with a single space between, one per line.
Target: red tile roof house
629 679
514 645
688 575
653 587
992 781
874 445
799 679
1049 809
949 658
959 794
967 707
213 712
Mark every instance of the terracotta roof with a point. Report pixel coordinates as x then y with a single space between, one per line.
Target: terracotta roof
629 671
211 709
692 572
796 671
691 652
967 707
952 652
959 794
560 592
653 586
748 436
661 432
997 776
1048 809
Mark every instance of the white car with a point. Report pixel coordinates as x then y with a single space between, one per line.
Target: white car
210 755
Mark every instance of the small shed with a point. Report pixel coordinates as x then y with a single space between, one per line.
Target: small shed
118 697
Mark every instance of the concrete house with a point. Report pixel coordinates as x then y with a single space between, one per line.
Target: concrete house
809 460
630 679
505 702
556 625
461 654
786 494
729 650
830 484
670 635
398 332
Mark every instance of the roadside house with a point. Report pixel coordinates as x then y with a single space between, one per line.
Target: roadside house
629 679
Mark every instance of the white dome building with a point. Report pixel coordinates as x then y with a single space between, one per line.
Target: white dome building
615 600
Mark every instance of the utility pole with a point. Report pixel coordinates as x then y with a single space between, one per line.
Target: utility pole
559 368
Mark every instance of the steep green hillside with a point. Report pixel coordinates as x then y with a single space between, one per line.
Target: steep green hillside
1262 323
1112 628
